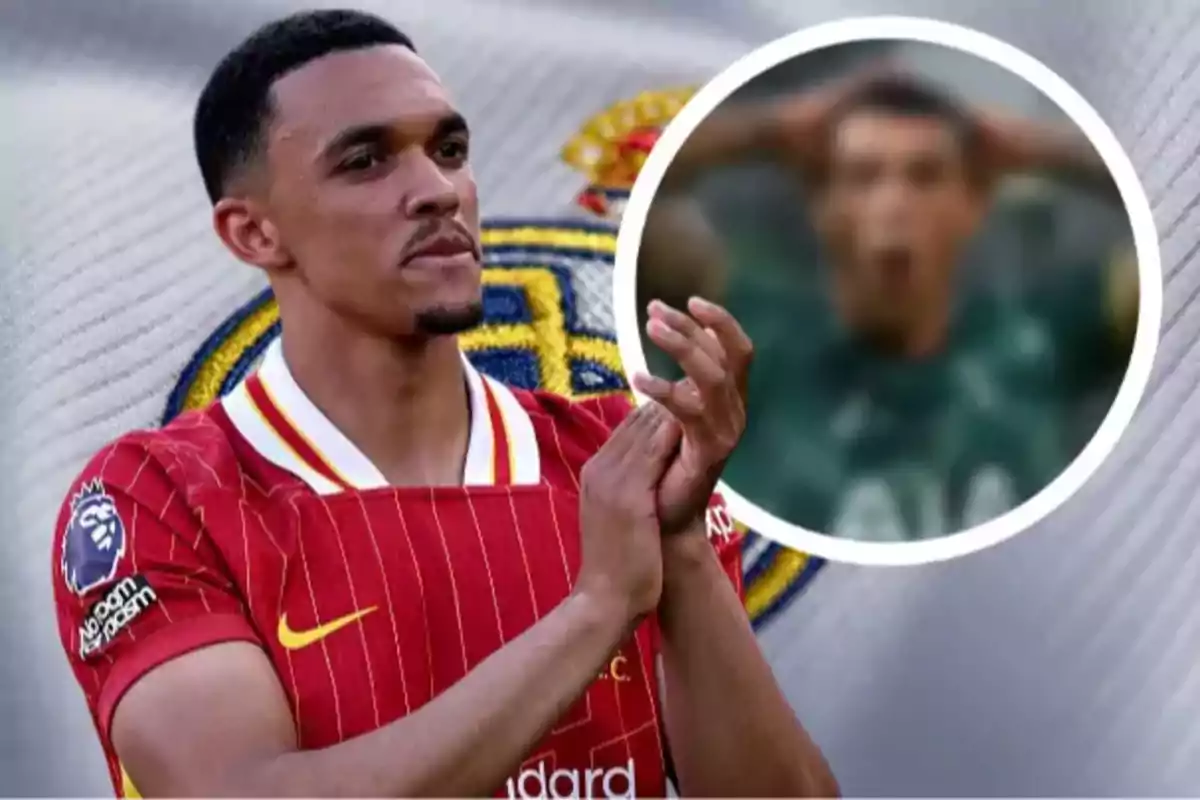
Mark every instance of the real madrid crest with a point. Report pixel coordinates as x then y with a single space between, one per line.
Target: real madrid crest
547 309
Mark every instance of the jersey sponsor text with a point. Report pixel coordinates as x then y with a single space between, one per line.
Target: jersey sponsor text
540 782
114 612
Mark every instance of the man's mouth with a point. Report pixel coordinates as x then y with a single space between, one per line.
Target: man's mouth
442 251
895 264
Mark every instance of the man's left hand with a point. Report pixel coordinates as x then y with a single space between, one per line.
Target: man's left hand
709 402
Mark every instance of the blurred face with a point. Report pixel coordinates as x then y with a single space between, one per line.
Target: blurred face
896 213
368 205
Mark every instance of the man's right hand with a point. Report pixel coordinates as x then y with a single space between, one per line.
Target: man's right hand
622 548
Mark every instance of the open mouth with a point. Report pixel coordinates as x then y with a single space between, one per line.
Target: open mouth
895 264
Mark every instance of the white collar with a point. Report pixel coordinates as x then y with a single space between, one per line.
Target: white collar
279 420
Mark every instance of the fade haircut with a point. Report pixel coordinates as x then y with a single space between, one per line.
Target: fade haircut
234 109
906 96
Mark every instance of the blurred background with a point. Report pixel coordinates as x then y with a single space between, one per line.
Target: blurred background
1044 252
1060 664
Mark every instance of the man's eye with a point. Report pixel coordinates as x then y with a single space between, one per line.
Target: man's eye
925 174
453 150
860 176
360 161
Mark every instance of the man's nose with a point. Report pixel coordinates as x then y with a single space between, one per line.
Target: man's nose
431 192
892 202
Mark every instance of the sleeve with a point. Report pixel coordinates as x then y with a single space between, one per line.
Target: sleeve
137 581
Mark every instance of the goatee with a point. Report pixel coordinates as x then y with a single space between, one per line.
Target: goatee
449 320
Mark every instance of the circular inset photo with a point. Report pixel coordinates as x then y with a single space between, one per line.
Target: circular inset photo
946 263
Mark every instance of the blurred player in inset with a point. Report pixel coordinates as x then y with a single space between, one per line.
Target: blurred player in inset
911 405
371 570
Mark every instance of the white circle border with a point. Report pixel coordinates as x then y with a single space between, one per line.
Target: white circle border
1137 205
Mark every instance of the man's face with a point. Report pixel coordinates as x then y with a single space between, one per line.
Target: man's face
370 193
896 213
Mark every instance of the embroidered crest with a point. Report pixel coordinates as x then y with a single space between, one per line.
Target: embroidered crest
94 542
612 146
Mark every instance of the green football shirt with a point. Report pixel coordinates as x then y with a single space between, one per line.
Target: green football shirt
846 441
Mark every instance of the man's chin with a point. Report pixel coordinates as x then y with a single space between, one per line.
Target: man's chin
449 320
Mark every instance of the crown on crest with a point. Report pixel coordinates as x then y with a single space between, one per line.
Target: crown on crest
92 488
611 147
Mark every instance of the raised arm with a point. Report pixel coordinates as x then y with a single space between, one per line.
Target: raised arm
730 728
790 129
1059 152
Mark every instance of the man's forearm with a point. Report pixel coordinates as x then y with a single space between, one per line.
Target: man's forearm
731 730
726 137
468 740
1066 156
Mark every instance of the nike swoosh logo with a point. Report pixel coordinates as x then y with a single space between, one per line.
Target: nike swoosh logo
297 640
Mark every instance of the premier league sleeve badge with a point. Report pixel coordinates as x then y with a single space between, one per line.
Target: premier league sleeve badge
94 542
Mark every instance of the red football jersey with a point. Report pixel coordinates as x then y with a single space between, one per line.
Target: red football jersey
257 520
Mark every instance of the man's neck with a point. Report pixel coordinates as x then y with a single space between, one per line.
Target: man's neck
926 337
923 336
405 405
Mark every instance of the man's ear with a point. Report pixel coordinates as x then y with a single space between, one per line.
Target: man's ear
248 233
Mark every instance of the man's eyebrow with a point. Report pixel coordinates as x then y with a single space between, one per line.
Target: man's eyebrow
369 133
450 124
378 132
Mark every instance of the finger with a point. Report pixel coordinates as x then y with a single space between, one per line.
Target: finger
664 443
736 344
680 398
646 419
625 436
673 317
688 351
690 326
644 451
650 385
712 345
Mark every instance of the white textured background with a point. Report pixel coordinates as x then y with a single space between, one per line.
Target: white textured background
1062 663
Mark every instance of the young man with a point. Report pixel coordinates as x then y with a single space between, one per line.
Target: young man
372 571
906 405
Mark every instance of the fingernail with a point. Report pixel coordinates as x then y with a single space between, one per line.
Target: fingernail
665 332
650 384
702 303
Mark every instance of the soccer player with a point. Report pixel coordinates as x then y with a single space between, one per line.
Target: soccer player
373 571
904 404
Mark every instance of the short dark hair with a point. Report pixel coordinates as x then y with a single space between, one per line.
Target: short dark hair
235 105
908 96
